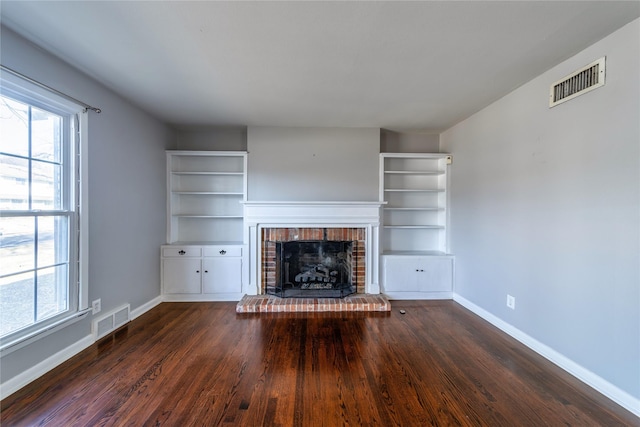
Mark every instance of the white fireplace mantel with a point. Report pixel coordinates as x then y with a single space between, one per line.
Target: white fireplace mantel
270 214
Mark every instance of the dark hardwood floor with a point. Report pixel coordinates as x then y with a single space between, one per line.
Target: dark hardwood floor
201 364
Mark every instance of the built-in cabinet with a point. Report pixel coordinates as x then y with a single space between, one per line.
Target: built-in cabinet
204 255
201 272
415 260
418 277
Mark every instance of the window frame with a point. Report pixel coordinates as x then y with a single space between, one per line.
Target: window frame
74 208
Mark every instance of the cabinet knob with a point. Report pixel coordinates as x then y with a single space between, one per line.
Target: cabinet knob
222 252
197 271
181 252
206 271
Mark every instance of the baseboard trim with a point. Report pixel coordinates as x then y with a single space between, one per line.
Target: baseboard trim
139 311
16 383
594 381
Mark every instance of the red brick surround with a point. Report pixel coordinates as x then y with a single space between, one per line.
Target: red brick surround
272 235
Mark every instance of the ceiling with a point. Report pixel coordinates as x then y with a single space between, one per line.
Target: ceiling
395 65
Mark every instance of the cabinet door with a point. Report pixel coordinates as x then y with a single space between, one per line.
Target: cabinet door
400 274
181 276
222 274
436 274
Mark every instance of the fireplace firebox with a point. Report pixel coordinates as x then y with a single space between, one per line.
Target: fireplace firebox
313 262
314 268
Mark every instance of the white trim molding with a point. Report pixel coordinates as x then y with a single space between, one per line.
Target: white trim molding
594 381
139 311
267 214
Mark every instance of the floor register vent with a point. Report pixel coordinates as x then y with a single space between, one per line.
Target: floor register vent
109 323
578 83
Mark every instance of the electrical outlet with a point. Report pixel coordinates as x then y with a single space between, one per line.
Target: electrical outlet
511 302
96 306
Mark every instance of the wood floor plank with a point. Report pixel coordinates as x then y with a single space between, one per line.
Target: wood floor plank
189 364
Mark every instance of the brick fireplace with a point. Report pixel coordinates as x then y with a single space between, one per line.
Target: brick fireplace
348 262
268 223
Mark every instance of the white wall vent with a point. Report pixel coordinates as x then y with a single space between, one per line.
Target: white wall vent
580 82
110 322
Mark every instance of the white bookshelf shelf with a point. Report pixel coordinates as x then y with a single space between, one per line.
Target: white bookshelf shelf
415 190
416 172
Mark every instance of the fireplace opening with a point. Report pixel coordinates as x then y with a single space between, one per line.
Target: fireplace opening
327 261
314 268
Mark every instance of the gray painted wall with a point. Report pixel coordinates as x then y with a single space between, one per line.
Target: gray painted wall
409 142
545 206
216 139
127 201
306 164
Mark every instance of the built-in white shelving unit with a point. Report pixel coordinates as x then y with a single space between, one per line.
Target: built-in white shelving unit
204 255
415 259
414 187
204 191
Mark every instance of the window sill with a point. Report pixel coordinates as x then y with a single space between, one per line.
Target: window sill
18 343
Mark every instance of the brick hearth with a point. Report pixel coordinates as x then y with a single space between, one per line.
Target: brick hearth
272 304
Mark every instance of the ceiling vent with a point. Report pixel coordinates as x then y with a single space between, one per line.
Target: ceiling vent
578 83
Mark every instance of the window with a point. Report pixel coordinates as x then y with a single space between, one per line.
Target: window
40 200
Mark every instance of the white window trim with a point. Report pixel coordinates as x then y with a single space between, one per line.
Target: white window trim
12 85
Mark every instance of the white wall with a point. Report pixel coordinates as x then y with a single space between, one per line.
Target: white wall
127 202
545 206
307 164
